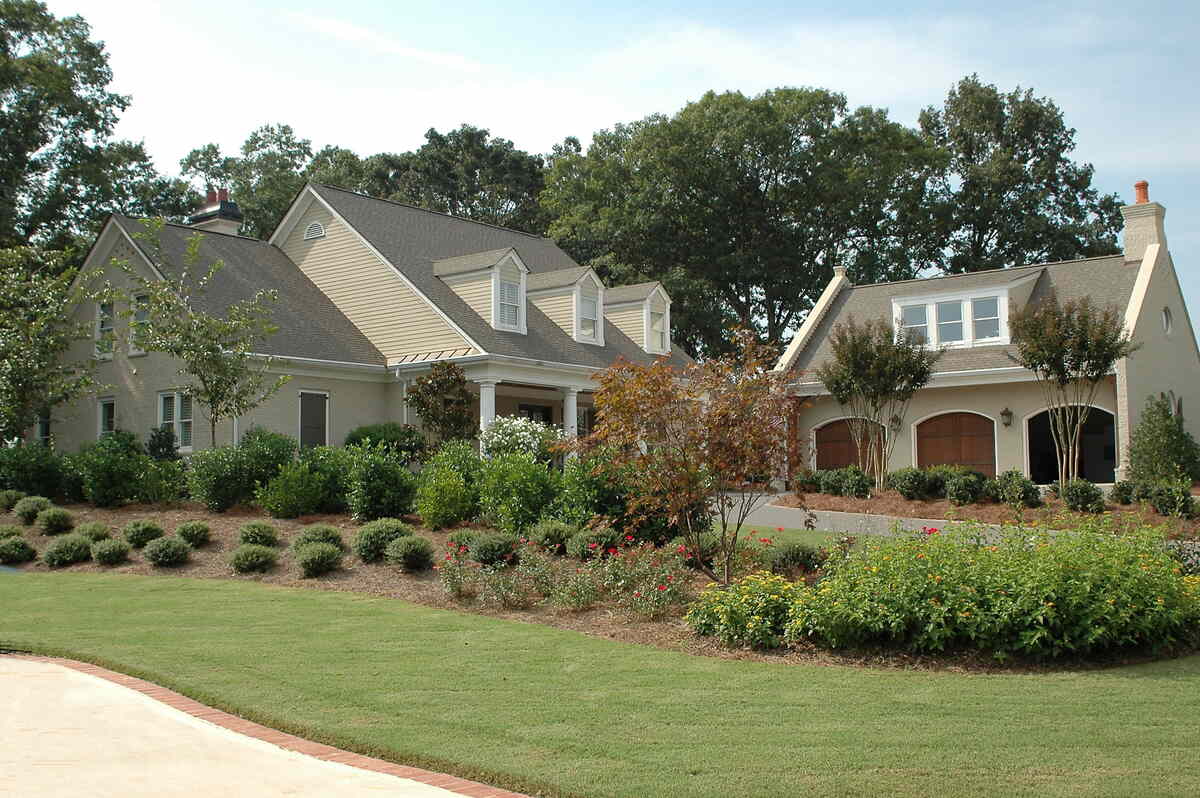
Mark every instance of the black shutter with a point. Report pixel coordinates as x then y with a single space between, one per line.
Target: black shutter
312 419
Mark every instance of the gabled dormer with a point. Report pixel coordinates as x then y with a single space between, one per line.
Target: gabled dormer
493 283
956 317
642 312
573 299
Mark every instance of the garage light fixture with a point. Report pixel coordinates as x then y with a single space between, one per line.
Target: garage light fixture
1006 417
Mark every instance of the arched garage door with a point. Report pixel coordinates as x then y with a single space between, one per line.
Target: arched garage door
835 446
957 439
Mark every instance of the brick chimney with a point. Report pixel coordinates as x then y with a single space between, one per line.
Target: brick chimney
1143 223
218 213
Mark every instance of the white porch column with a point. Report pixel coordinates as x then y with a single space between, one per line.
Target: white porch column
487 403
570 415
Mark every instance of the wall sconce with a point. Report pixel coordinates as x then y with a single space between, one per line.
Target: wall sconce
1006 417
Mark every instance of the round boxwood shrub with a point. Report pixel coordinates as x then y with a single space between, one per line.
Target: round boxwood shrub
319 533
110 552
1122 492
27 509
552 535
591 543
8 498
10 531
167 552
855 482
55 521
1083 497
14 551
315 559
491 548
965 488
828 481
94 530
139 533
1015 489
251 557
379 484
372 538
259 533
67 550
218 477
411 553
1174 499
444 498
193 533
911 483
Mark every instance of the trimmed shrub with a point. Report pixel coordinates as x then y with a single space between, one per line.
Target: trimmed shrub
217 478
381 486
515 491
593 543
911 483
552 535
937 476
411 553
372 539
829 481
94 530
461 457
591 486
463 537
315 559
264 453
1083 497
139 533
193 533
55 521
67 550
1122 492
296 490
856 483
110 552
493 548
71 487
167 552
161 444
1015 489
509 435
8 498
1143 491
30 468
1160 448
111 468
14 551
789 558
258 533
162 481
404 440
319 533
444 498
333 465
1174 499
10 531
27 509
752 611
965 488
250 558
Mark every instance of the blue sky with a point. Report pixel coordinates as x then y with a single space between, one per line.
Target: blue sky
373 75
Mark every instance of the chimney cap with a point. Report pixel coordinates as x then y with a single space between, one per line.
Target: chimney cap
1141 192
211 197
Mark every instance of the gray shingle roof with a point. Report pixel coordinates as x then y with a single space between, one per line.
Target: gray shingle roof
475 261
629 293
412 239
310 325
559 278
1106 280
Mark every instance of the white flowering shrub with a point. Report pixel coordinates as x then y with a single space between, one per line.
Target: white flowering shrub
514 435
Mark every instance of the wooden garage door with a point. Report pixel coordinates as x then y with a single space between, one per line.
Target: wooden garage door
835 446
958 439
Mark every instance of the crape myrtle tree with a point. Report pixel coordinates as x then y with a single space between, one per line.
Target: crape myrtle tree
217 353
1071 348
873 373
443 402
712 434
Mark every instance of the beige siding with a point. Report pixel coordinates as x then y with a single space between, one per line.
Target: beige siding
476 292
657 304
510 272
629 320
560 308
367 289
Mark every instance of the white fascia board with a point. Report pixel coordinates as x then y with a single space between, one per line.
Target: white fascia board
298 208
1141 286
802 336
502 367
315 367
944 379
404 279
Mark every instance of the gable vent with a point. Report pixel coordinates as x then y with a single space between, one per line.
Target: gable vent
314 230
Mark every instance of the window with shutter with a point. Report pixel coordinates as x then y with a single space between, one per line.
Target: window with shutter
510 307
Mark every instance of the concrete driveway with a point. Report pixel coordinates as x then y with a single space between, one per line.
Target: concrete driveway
64 733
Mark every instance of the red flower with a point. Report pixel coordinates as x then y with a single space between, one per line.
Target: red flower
682 549
629 537
593 545
612 551
778 529
764 540
662 587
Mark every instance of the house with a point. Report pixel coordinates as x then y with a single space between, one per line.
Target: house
371 293
983 410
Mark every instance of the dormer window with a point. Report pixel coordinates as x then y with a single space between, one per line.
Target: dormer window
985 317
954 321
914 321
509 303
589 317
658 331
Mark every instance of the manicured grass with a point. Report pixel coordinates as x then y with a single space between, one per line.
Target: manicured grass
816 537
532 707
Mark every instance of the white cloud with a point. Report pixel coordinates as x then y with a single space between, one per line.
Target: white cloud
350 33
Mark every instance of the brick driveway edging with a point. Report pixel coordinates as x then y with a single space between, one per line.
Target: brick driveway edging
289 742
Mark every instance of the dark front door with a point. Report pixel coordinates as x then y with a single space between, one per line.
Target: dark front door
313 419
542 413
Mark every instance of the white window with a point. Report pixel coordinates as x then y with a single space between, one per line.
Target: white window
104 330
915 321
314 230
950 322
175 412
985 317
107 416
658 330
589 317
510 304
141 318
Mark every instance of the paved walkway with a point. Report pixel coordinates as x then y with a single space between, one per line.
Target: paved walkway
70 729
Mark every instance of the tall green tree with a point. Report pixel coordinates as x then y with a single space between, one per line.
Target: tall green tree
1012 194
742 206
263 179
61 173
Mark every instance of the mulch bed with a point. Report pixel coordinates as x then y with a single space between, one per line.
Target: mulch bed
1053 514
380 579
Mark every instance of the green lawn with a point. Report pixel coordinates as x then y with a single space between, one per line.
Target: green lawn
787 535
534 707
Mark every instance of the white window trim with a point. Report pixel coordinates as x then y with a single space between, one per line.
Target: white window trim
99 332
522 298
648 330
968 318
134 349
300 412
598 339
177 420
101 401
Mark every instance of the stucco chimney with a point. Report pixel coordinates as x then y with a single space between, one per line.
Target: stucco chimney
218 214
1143 223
